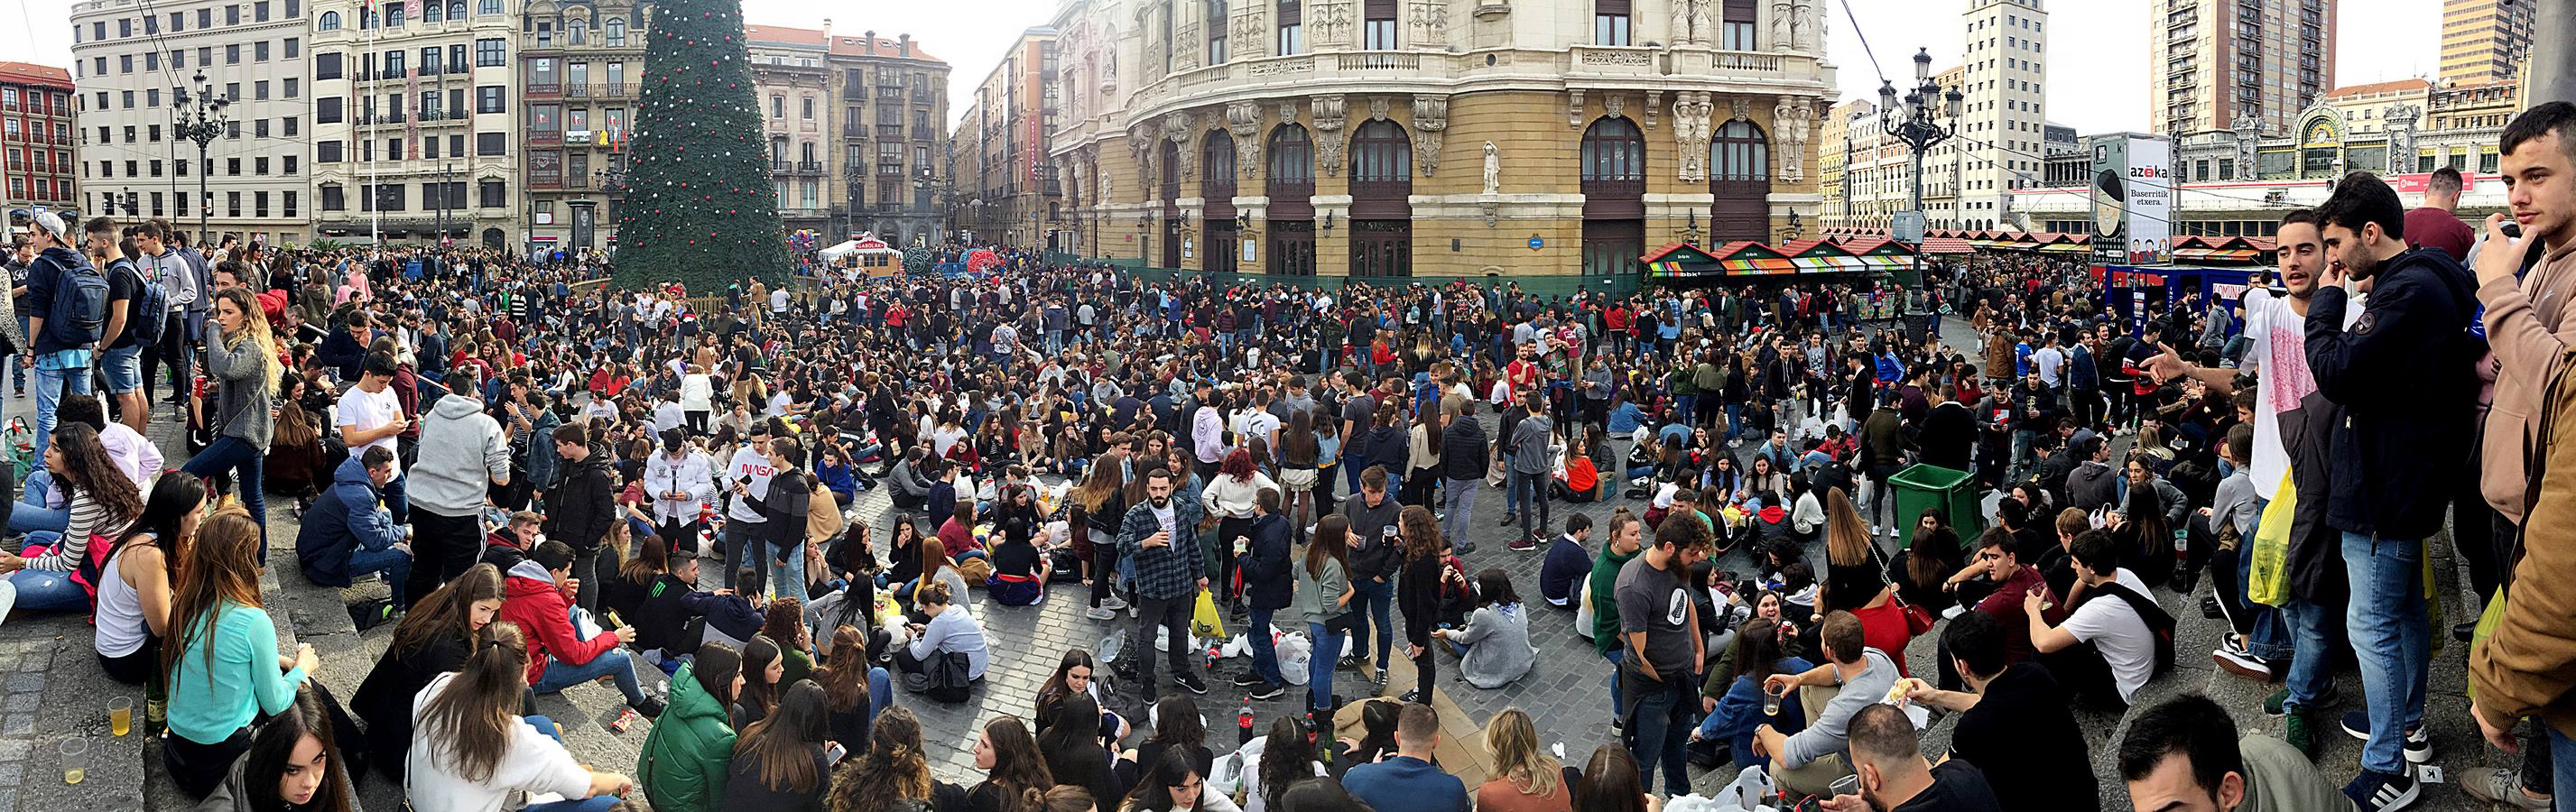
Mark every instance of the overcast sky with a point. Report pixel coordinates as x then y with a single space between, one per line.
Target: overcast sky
2098 68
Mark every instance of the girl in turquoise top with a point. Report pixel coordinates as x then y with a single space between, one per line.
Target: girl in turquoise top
224 670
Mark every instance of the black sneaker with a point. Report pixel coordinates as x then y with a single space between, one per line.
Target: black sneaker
1248 679
1509 519
1191 682
1413 697
1464 547
2418 747
1268 690
2382 792
650 708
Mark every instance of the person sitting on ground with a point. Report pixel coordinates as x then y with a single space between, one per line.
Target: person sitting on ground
855 691
684 764
2014 725
350 533
1611 782
138 578
780 762
1076 755
762 668
1566 562
1852 677
222 659
2106 649
1888 759
1177 727
1493 648
1174 786
893 775
435 638
1409 781
1019 567
509 545
1525 778
950 630
473 748
52 573
1762 646
539 598
2184 754
293 763
1016 777
1997 568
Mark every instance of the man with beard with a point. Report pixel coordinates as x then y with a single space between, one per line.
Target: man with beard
2184 756
2389 454
1895 778
1168 575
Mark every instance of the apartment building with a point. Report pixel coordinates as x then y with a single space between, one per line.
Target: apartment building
36 137
139 65
413 121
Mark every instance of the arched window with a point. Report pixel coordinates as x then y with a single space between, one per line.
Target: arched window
1216 160
616 32
1739 177
1292 171
577 32
1614 158
1381 160
1740 152
330 21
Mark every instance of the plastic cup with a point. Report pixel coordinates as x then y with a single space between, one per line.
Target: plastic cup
75 758
120 715
1846 785
1770 704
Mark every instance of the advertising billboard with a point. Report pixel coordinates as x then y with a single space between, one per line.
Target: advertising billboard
2132 193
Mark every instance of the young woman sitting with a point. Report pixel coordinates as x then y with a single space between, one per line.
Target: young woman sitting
472 747
292 764
435 638
135 585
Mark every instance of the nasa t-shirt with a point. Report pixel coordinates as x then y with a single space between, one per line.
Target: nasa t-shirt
1658 603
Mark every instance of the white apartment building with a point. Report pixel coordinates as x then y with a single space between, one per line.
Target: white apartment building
136 64
414 110
2002 134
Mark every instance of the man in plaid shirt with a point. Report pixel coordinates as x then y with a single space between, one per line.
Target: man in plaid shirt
1169 575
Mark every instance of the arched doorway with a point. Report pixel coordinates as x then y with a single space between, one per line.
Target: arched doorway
1216 185
1171 204
1292 201
492 238
1739 175
1381 211
1614 196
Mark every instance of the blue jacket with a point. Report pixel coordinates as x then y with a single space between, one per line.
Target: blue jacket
1407 783
347 518
1566 563
1267 577
2406 376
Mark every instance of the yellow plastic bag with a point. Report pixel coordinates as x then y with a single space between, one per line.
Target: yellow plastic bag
1206 621
2267 574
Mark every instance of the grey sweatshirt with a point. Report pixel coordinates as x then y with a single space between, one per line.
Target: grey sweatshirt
1316 595
1826 734
241 402
462 450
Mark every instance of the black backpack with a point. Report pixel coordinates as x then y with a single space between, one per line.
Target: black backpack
2159 622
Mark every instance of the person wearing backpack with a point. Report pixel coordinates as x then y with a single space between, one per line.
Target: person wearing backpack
166 265
67 311
130 299
2115 639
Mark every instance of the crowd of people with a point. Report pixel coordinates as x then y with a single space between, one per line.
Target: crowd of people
558 482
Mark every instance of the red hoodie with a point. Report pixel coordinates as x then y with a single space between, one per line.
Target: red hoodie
531 599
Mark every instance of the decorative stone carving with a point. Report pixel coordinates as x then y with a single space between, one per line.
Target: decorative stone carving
1185 40
1243 120
1493 170
2249 132
2400 120
1140 147
1691 23
1811 20
1249 39
1691 112
1430 124
1782 11
1789 125
1177 126
1287 111
1742 106
1328 117
1332 23
1377 108
1614 106
1428 21
1574 107
1654 101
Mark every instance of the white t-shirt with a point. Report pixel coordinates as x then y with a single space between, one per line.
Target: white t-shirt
2046 362
360 410
2114 628
747 462
2280 351
534 762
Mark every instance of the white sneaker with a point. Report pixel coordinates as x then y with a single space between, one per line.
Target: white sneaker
1100 613
1112 603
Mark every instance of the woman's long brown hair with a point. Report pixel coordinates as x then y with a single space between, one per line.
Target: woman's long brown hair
450 610
470 721
220 570
781 740
845 676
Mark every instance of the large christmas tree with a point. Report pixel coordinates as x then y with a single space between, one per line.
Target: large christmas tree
699 205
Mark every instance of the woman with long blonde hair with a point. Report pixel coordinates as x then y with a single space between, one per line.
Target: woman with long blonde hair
1525 778
242 360
1854 569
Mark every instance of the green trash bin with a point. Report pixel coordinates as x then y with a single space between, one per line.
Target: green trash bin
1931 486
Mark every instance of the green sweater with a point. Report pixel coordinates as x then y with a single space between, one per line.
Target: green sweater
1605 607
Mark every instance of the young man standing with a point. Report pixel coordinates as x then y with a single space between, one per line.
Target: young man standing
1659 628
2390 455
1169 574
2525 286
371 416
120 361
60 352
2276 326
463 455
1627 537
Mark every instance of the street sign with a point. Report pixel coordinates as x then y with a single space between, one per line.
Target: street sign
1536 243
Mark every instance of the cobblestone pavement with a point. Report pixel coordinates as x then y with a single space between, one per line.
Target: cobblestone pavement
51 686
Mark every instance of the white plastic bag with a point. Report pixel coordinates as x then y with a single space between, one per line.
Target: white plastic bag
1296 653
1583 610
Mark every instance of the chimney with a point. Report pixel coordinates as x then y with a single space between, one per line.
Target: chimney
871 41
903 45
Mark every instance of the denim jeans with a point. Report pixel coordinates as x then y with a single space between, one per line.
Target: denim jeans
1265 651
1532 491
51 385
1618 656
1319 669
786 580
2562 762
1372 599
1457 504
613 662
31 515
2392 639
48 590
244 461
1513 500
2310 674
1659 729
395 564
1351 469
19 362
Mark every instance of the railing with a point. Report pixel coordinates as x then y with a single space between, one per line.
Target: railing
809 167
1379 60
854 130
890 169
548 89
925 134
857 92
545 136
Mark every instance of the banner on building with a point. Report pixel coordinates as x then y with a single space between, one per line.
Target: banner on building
2132 199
